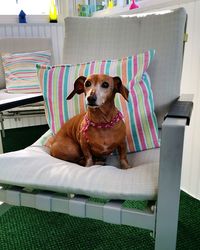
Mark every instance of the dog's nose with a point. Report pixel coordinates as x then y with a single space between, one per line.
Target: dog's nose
92 100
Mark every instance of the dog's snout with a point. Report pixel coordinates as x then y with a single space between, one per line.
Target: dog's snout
92 99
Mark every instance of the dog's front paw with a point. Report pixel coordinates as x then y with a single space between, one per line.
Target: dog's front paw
89 163
124 164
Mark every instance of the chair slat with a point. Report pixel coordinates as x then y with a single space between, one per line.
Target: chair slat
77 206
137 218
112 212
94 210
60 204
13 197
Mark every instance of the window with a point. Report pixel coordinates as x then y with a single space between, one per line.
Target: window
34 7
87 7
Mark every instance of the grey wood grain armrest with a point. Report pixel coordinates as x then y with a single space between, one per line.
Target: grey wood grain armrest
19 101
182 108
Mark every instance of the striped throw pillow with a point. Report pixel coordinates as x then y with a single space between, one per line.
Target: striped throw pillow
20 70
141 124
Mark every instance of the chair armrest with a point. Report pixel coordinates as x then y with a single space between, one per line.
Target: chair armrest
20 100
182 108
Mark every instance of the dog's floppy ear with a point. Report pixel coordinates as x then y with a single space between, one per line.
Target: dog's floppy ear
120 88
78 87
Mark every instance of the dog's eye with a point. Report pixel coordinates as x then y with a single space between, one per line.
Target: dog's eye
105 85
87 84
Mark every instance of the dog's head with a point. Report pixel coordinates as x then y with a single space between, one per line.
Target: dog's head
98 89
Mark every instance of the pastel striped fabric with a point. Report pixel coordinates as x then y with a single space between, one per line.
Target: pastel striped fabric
141 124
20 70
2 77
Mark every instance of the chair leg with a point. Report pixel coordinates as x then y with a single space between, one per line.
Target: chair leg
166 228
169 185
1 144
4 208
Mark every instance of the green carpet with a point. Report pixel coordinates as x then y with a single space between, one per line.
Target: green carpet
29 229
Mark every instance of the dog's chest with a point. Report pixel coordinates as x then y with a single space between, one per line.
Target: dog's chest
102 148
102 142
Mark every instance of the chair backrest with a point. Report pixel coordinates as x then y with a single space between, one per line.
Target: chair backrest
89 39
17 45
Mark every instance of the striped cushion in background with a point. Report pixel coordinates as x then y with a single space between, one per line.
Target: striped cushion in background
20 70
2 75
141 123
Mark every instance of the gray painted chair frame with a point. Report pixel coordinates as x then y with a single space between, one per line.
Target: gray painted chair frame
161 217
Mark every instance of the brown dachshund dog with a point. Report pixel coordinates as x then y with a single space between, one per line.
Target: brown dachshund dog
91 136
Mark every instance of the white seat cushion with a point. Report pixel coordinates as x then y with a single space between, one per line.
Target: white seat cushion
33 167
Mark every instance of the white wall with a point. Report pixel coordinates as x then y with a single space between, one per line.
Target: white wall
191 84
